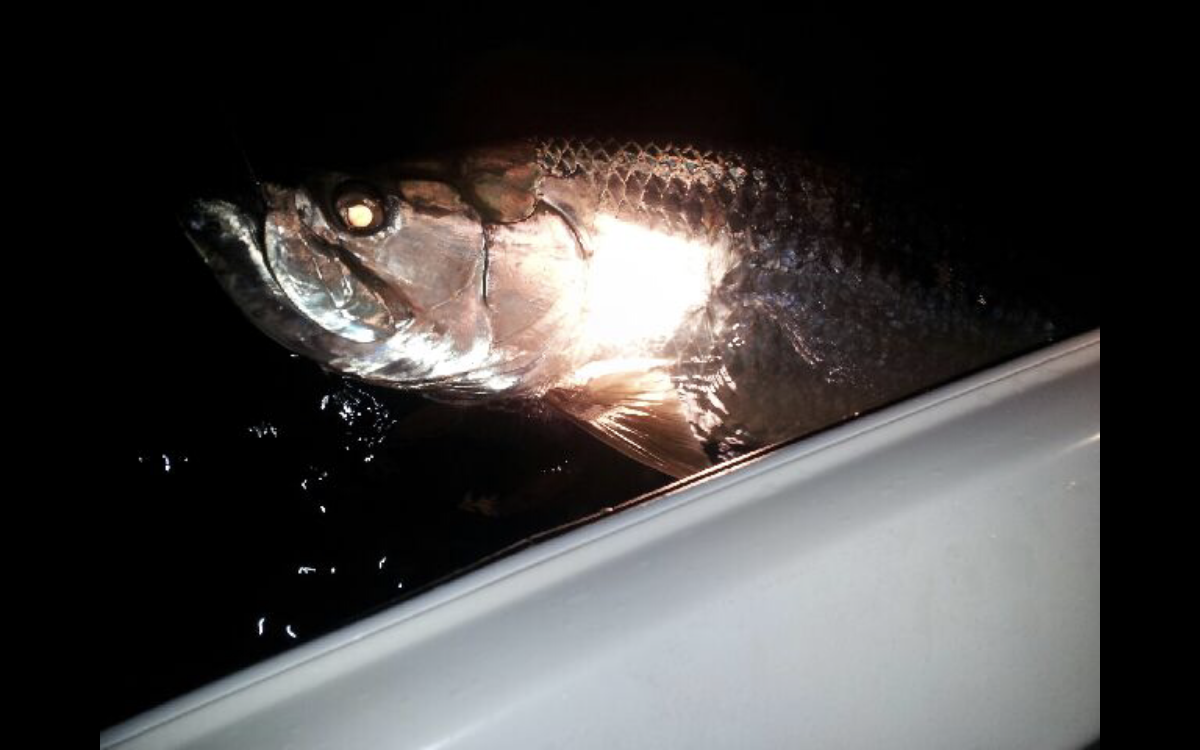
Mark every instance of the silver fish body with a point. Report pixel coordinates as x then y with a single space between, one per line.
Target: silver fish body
684 305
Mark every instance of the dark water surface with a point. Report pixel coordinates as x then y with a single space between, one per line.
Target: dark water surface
260 502
268 501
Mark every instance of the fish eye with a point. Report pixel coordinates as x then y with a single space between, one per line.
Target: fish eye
359 207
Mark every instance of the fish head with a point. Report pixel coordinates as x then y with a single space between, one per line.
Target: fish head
382 278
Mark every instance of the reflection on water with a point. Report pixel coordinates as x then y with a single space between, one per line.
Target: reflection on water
266 502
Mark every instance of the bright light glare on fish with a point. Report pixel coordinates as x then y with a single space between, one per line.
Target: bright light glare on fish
643 283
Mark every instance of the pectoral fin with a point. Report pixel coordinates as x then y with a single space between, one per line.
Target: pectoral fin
633 407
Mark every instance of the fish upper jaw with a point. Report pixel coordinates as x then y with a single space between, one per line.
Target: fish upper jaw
324 283
229 239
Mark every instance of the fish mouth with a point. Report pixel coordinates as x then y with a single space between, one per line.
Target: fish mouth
231 241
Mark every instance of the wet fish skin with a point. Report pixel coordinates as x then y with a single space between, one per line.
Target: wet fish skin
840 299
685 305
